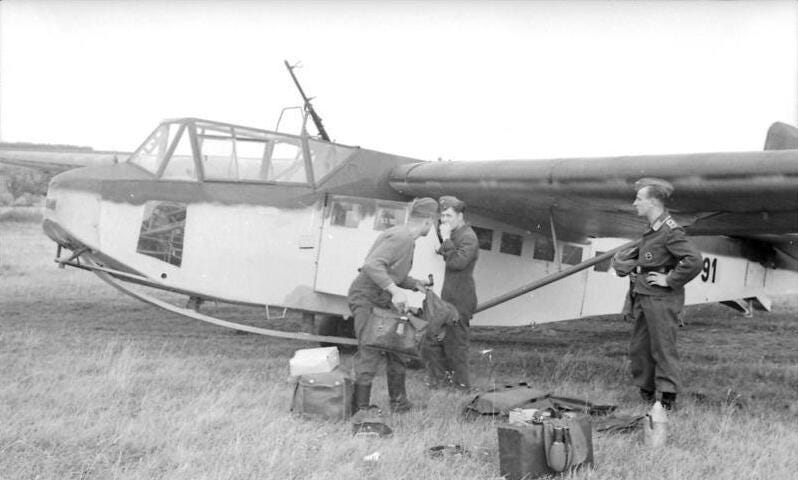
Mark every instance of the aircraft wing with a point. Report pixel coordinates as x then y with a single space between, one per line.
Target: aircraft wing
736 194
55 158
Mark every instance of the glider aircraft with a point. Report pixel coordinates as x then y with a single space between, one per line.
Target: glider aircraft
227 213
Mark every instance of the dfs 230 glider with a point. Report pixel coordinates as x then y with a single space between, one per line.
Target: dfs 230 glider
248 216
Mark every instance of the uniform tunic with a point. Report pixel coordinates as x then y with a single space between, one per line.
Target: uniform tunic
665 249
388 261
460 253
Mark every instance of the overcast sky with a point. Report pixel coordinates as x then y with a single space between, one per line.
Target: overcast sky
458 80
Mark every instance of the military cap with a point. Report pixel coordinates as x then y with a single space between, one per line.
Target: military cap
454 203
424 207
663 186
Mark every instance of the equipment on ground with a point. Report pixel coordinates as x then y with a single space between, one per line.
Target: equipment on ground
545 446
326 396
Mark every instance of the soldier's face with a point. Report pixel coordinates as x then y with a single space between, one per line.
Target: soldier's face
452 218
642 203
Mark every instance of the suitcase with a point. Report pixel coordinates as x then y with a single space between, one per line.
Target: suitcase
393 332
524 450
326 396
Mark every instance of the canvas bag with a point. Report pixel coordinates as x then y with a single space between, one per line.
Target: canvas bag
392 331
502 399
438 313
326 396
525 449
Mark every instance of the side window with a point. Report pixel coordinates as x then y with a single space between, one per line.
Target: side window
240 154
251 155
217 157
388 216
485 237
181 163
544 248
152 152
571 255
346 214
286 163
602 266
511 244
161 233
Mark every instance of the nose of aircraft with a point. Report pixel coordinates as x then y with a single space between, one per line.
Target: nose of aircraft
73 206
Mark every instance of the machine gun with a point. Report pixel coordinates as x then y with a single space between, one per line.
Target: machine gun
308 106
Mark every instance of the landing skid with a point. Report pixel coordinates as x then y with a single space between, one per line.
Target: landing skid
193 314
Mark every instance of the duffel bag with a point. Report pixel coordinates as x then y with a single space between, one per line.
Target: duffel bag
393 332
550 446
324 395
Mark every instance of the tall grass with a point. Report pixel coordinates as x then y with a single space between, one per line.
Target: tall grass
96 385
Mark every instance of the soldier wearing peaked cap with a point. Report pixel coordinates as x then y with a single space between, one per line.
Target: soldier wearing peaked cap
380 283
666 261
448 357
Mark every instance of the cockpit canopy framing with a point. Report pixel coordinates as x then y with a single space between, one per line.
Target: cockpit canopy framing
191 149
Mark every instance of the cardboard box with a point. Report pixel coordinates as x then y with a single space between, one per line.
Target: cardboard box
313 360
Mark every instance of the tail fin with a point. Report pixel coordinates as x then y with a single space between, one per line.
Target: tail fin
781 137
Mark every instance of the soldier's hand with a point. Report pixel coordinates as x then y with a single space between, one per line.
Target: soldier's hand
446 231
421 285
656 278
399 300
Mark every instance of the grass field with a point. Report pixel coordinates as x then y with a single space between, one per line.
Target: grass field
96 385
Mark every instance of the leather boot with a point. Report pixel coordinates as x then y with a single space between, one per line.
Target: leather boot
669 401
362 396
367 420
647 395
397 394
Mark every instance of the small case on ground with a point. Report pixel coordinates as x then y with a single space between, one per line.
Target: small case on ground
393 332
527 450
326 396
313 360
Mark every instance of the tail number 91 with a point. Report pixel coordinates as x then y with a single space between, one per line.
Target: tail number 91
709 269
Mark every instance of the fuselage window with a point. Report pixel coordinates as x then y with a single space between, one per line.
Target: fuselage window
571 255
544 248
485 237
511 244
602 266
389 216
161 233
346 214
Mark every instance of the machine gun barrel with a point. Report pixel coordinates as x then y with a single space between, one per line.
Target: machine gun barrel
308 106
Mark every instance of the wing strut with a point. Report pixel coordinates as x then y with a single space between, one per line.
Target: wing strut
557 248
542 282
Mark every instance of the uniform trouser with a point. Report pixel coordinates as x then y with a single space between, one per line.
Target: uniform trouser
449 355
367 360
653 347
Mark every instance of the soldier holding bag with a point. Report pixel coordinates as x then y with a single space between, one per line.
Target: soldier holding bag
380 284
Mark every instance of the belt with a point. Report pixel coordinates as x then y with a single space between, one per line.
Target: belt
662 269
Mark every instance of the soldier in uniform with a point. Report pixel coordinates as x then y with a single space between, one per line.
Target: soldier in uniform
666 261
380 283
448 357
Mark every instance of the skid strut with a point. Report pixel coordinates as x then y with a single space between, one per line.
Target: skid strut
187 312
